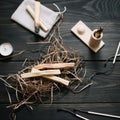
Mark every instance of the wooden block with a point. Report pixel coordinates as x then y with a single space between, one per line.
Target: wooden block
83 32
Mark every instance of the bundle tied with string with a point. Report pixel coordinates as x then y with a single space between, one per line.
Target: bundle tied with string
39 88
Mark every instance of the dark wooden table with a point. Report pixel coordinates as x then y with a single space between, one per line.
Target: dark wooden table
104 95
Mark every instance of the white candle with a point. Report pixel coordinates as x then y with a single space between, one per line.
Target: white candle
6 49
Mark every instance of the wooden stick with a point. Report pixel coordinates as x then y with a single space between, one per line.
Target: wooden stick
58 79
40 73
37 16
32 14
54 78
54 66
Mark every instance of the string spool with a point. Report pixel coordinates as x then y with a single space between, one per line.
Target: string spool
95 40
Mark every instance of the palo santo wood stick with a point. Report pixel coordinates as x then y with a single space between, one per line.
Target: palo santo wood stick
40 73
53 78
37 15
32 14
54 66
58 79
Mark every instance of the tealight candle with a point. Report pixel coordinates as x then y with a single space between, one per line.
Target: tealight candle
6 49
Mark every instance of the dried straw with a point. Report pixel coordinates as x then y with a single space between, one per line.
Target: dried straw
37 89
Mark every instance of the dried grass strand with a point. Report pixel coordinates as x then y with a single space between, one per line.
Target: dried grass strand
38 89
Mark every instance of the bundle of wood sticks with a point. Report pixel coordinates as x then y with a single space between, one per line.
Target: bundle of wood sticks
35 14
49 71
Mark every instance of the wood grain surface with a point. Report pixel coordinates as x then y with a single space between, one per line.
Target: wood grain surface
103 96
